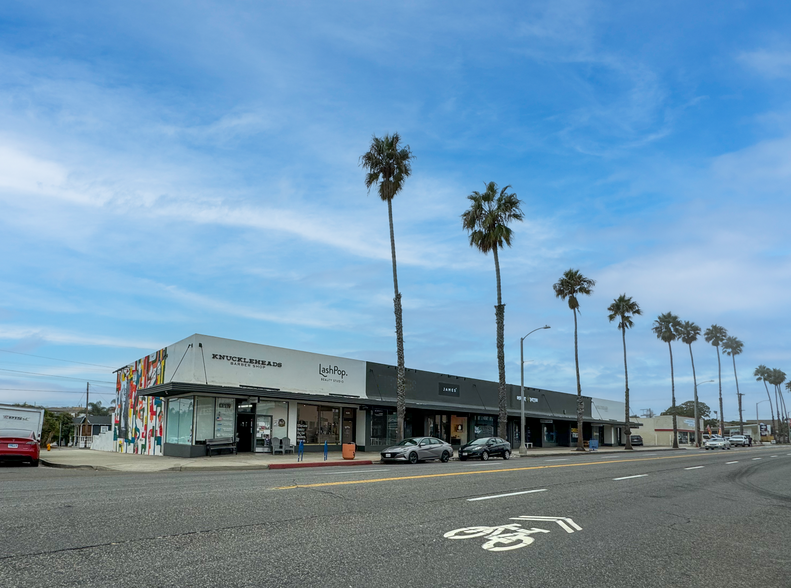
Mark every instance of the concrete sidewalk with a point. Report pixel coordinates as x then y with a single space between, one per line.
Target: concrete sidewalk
69 457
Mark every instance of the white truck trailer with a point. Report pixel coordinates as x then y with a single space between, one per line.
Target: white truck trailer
22 417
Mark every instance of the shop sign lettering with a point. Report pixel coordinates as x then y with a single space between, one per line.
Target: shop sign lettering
245 362
332 373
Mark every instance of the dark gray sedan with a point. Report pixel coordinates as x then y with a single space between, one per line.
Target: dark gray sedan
415 449
484 448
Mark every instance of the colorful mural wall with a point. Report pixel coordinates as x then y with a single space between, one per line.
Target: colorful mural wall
139 420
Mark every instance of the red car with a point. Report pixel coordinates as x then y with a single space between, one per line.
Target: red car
19 445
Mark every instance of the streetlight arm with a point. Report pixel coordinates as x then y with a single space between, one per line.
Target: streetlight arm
523 447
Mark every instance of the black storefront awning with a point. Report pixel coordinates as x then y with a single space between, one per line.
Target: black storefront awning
177 389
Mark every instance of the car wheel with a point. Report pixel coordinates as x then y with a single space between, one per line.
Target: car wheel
445 457
507 454
413 457
462 458
485 456
34 463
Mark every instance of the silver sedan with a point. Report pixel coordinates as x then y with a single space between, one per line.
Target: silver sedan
415 449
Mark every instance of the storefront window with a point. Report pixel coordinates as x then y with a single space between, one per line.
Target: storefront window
224 418
483 427
384 424
179 425
317 424
279 412
204 418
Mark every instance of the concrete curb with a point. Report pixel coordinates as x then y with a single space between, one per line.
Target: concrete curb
51 464
318 464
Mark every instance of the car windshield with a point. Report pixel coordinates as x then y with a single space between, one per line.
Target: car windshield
15 433
481 441
410 441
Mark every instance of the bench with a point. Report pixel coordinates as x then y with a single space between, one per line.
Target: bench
219 444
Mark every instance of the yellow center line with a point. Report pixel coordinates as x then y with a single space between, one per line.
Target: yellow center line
475 472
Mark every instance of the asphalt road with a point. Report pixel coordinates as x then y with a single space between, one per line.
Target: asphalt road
688 518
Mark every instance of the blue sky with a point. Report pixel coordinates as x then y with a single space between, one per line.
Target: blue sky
167 169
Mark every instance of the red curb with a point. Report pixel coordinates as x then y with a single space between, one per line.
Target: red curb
317 464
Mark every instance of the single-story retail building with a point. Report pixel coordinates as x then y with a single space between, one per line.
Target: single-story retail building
658 431
202 388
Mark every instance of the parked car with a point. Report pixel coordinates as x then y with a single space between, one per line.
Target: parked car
484 448
415 449
637 440
717 443
739 440
19 445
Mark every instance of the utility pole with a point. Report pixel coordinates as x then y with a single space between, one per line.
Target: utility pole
87 394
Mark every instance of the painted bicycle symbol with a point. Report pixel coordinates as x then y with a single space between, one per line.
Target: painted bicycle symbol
502 538
512 535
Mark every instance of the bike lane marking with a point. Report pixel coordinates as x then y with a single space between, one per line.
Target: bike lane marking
630 477
482 472
512 535
504 495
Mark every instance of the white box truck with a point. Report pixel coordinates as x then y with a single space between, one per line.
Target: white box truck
22 417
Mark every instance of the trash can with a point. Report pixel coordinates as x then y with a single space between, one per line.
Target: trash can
348 450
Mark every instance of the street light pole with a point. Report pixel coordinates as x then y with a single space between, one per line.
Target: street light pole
523 447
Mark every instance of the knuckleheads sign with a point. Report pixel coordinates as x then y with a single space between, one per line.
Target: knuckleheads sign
225 362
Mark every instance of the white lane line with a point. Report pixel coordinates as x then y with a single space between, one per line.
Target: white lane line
694 468
772 456
756 458
630 477
504 495
352 472
730 462
560 459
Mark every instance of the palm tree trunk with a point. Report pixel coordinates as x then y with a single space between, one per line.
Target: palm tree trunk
738 396
626 393
784 414
400 384
580 403
673 398
772 412
499 312
719 376
697 414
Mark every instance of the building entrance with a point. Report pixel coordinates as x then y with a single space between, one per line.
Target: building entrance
245 423
347 431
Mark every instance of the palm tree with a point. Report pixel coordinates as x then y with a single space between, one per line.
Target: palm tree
665 327
688 332
763 374
487 222
715 335
733 347
623 308
570 285
388 164
777 379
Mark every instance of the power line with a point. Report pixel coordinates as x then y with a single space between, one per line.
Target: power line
56 376
56 359
53 391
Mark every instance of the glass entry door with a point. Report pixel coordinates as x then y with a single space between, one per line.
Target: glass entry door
263 433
